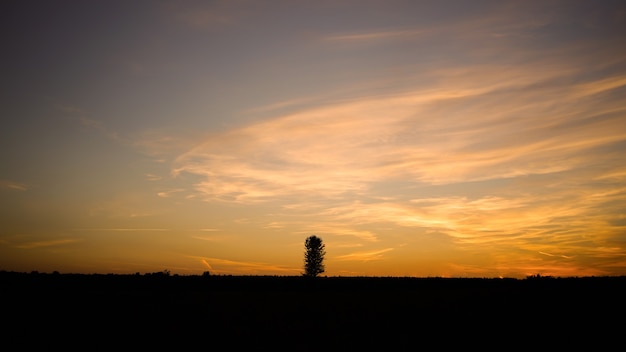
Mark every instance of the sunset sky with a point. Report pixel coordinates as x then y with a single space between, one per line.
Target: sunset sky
416 138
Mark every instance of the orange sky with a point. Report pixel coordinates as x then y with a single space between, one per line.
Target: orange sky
426 138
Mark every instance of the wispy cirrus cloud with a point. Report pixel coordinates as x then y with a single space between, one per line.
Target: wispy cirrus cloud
335 226
213 235
364 256
11 185
81 116
378 35
123 229
226 266
442 135
46 243
153 177
168 193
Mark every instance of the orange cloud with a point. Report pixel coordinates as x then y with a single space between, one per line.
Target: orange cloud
226 266
49 243
364 256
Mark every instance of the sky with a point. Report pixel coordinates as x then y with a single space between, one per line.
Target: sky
416 138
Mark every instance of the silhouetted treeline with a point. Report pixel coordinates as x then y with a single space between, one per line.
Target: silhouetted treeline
297 313
164 280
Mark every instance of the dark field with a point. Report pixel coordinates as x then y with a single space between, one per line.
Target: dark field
159 311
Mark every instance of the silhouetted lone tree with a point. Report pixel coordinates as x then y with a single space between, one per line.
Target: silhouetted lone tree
314 256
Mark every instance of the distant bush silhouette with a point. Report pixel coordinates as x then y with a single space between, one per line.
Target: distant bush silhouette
314 256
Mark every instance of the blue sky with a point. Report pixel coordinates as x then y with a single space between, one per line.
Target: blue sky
416 138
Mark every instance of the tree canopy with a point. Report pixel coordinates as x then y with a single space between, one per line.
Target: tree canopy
314 256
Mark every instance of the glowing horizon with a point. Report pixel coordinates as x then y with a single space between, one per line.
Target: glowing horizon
449 139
